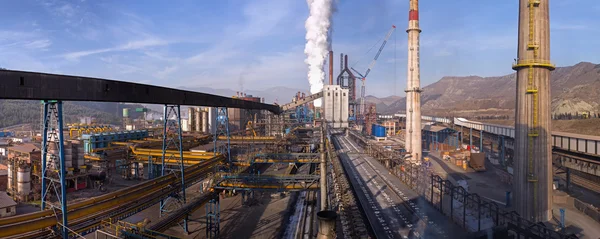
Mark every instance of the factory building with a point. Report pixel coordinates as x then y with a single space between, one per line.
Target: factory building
3 176
19 168
198 120
4 144
238 118
335 106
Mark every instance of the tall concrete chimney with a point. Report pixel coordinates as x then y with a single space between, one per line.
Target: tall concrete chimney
413 89
533 165
330 67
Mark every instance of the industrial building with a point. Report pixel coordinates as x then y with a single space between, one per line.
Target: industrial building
335 106
21 160
8 207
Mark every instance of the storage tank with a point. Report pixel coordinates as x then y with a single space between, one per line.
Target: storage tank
191 117
125 112
377 130
68 150
205 121
80 155
198 120
23 180
10 176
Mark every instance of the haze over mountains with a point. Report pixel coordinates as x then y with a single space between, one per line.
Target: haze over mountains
574 89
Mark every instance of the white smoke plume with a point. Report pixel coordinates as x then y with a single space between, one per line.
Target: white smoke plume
318 42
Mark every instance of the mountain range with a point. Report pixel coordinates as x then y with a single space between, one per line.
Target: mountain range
573 89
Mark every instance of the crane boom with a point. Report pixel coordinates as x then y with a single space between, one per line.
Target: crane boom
379 51
364 77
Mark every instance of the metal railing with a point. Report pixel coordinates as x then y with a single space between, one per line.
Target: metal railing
468 210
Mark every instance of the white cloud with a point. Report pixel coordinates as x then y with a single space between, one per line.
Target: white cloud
132 45
38 44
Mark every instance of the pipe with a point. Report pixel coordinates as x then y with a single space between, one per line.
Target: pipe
326 224
330 67
323 170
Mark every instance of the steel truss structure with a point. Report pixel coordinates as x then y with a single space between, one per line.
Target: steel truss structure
213 219
172 139
222 129
53 137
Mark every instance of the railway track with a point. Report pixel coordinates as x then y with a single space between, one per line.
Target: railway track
86 216
351 223
305 229
413 218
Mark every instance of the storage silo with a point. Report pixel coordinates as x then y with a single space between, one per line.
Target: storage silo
198 120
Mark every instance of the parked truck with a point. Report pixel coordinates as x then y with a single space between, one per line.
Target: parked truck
477 162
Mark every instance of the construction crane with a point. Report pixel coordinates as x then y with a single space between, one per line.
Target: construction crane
364 77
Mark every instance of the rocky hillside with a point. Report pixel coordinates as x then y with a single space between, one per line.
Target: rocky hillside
574 89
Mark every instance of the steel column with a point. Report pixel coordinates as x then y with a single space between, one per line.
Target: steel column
481 141
568 171
63 170
502 151
44 152
470 137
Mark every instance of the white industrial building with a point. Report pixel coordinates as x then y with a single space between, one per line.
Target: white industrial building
335 106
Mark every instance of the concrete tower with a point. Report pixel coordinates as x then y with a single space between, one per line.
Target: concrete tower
533 166
413 89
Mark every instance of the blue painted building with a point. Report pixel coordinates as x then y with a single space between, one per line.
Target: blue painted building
103 140
439 138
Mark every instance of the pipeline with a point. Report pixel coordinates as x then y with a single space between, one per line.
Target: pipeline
39 220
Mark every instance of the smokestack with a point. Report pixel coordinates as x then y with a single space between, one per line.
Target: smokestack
413 89
346 62
330 67
326 224
341 62
532 185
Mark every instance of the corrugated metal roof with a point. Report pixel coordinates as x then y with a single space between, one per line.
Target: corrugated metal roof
24 148
6 201
435 128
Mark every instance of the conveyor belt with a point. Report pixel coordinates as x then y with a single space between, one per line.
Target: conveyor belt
107 203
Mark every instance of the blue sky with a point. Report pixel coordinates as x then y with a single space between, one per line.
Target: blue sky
259 44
